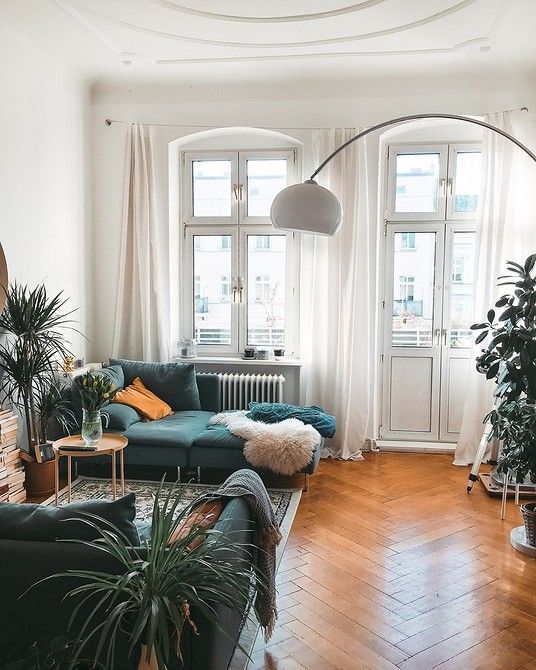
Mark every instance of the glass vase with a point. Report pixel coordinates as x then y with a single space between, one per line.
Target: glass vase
91 426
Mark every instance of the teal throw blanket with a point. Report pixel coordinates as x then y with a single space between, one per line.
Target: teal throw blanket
274 412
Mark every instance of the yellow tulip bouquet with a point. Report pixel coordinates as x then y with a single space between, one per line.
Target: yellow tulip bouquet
95 391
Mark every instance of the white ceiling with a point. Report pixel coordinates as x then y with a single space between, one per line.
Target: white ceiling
206 41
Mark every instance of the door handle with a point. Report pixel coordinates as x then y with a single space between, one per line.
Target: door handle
443 186
235 291
437 337
450 183
444 332
235 191
241 192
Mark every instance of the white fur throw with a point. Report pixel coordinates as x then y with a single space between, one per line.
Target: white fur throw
284 448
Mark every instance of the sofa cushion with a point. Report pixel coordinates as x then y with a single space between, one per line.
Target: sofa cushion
44 523
219 437
120 417
147 403
177 430
113 372
175 383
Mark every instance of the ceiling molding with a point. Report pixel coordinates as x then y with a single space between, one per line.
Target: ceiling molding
333 54
274 45
365 4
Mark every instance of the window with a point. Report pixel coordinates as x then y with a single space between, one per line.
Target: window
263 242
240 275
225 289
457 269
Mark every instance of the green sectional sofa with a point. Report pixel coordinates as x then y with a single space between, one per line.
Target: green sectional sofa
184 438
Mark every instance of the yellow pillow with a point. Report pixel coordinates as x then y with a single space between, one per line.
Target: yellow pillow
149 405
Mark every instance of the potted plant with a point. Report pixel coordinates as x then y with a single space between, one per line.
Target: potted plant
510 359
57 657
33 344
152 600
95 392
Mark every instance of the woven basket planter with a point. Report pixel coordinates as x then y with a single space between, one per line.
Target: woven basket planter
528 510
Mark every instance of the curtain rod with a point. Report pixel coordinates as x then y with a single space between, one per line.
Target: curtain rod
109 122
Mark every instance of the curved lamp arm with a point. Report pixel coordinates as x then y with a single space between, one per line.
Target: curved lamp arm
413 117
310 208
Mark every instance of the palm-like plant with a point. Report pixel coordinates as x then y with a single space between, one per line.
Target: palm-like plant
152 600
510 359
33 325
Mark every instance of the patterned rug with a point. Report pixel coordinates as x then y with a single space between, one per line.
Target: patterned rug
85 488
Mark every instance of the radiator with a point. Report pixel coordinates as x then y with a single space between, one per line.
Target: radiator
238 390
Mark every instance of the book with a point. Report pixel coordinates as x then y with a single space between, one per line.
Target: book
20 496
16 478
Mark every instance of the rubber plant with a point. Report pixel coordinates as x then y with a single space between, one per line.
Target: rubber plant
510 359
159 588
33 326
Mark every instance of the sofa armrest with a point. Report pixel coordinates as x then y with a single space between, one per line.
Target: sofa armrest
209 391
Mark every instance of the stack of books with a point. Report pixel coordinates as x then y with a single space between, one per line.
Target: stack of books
11 467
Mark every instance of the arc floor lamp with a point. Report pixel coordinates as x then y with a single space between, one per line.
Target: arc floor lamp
311 208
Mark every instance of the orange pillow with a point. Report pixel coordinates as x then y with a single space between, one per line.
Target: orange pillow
205 516
150 406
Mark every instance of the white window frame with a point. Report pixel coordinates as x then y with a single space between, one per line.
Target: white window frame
395 150
238 230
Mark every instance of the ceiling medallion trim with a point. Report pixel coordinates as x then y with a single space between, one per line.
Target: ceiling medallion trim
365 4
333 54
289 45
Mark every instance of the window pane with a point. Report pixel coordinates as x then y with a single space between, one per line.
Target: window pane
212 289
413 289
417 182
211 187
266 290
467 184
265 178
462 284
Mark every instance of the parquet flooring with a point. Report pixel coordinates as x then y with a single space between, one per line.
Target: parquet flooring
390 564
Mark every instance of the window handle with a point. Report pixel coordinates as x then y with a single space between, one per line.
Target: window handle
450 182
437 337
443 186
444 332
241 294
235 192
235 292
241 192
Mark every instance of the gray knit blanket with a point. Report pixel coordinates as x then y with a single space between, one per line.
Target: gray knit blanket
248 485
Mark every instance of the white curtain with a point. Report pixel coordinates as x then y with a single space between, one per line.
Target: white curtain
338 300
506 230
140 323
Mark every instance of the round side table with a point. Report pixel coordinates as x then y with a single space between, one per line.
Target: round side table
108 445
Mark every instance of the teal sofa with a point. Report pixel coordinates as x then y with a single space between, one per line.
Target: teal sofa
184 439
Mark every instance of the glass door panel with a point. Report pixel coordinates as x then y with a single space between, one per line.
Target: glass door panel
266 303
212 289
417 182
265 178
462 278
464 183
414 269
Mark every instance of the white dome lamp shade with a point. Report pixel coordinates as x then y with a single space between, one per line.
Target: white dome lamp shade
307 208
311 208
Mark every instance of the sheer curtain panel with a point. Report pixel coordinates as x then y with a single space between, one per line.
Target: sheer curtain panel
506 230
140 325
339 301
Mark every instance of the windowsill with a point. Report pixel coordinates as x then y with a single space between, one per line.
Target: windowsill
236 360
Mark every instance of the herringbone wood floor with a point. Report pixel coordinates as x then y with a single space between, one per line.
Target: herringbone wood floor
390 564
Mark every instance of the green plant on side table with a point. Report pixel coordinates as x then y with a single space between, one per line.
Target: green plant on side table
510 359
32 323
152 600
95 391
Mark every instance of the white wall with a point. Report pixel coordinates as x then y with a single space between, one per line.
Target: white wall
42 165
364 104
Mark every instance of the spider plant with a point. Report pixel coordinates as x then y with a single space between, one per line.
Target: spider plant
154 596
33 325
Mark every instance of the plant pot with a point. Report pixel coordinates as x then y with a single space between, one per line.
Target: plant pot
147 665
528 510
39 478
